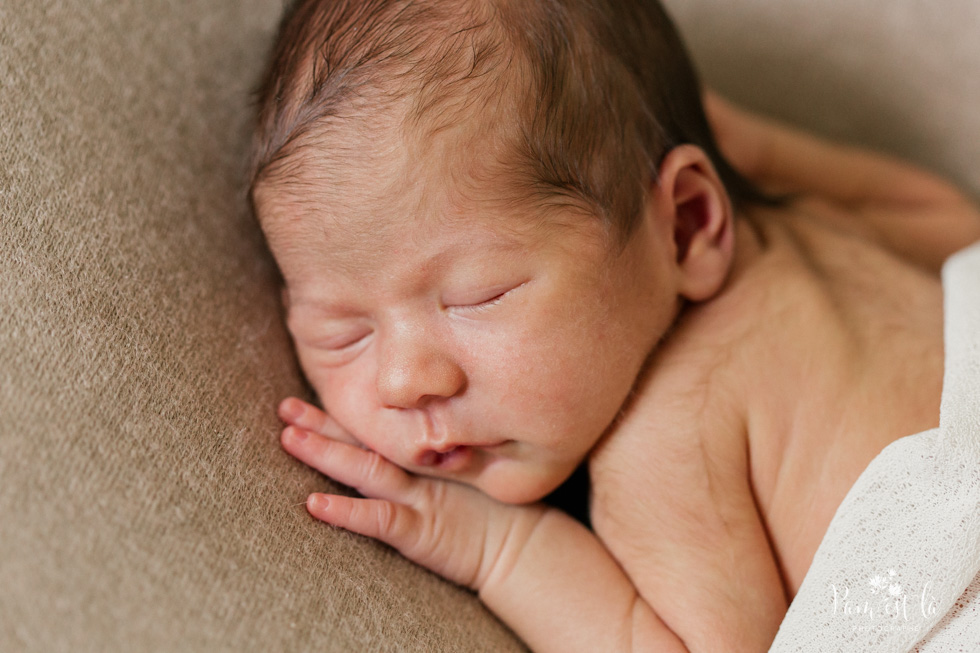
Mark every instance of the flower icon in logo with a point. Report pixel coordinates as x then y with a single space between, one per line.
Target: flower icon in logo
895 589
877 583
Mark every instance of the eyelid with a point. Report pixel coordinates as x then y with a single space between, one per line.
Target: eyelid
490 298
343 342
330 340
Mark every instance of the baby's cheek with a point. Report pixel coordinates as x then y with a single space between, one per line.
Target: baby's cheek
347 397
585 394
352 400
329 383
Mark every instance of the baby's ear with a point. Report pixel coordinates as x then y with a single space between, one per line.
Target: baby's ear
691 196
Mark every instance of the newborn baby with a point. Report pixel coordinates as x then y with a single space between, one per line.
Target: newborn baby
510 244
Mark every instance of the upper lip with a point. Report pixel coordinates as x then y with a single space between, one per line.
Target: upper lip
437 439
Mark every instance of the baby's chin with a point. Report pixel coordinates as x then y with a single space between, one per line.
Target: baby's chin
517 488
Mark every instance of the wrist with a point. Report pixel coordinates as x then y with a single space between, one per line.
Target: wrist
516 542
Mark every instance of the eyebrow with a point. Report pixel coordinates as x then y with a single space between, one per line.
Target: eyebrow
317 308
420 277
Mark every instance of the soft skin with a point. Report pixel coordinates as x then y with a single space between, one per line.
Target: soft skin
422 348
465 337
747 424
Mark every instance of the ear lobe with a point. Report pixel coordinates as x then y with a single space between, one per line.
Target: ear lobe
703 218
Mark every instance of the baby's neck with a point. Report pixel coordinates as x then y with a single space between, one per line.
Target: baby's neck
749 245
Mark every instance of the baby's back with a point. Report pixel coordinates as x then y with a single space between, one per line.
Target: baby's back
849 357
763 407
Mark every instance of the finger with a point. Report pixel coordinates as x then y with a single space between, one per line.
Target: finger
387 521
307 416
366 471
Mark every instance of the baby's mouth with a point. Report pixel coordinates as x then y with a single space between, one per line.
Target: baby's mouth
453 459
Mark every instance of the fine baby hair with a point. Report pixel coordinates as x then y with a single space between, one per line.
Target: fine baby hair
580 100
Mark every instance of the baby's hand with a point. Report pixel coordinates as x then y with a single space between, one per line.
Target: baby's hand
452 529
297 412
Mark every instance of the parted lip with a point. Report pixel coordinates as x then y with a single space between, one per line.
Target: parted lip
452 457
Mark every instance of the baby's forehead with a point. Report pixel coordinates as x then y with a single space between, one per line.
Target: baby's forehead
416 229
377 181
361 224
372 174
383 145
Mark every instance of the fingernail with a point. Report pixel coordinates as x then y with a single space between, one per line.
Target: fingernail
298 434
318 502
290 410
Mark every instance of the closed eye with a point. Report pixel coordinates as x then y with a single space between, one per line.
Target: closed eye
489 302
491 299
344 342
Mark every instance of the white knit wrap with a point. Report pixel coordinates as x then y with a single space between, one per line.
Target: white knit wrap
899 567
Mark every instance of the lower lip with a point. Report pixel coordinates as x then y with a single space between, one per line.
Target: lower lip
455 459
459 457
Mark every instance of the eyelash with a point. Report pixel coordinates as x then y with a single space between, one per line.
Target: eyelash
481 306
345 346
487 303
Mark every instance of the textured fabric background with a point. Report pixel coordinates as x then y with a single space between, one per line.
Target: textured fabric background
144 502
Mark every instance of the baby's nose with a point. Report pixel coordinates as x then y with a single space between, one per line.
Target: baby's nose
414 373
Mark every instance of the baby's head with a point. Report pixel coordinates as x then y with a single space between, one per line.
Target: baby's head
486 214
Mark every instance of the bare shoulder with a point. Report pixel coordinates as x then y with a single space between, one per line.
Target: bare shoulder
846 358
673 502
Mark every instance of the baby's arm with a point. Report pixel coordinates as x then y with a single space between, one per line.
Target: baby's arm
915 213
673 502
544 574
